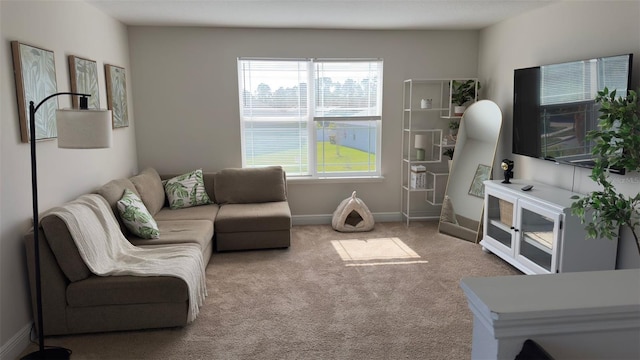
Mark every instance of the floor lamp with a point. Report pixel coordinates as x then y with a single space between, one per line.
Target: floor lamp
77 129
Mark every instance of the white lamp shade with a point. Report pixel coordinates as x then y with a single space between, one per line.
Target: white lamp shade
420 142
84 129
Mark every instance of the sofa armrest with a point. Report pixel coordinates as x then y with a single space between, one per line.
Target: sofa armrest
53 285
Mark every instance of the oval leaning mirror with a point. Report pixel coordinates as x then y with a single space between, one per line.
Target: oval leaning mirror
473 159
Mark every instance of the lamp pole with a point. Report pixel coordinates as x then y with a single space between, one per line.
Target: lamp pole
42 353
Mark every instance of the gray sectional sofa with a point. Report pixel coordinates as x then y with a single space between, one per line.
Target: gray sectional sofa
249 210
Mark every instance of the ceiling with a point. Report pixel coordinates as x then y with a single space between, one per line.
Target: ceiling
319 14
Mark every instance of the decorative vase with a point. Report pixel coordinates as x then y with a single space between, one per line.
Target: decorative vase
459 110
450 162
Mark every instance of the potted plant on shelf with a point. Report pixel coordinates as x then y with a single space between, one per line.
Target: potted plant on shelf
449 152
461 93
454 125
617 146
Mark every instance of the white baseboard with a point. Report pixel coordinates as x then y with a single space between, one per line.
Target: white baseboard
17 344
326 218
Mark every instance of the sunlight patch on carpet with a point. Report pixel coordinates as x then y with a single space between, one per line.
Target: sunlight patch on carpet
389 263
373 249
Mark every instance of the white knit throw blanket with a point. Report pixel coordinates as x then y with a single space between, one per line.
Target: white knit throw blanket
106 251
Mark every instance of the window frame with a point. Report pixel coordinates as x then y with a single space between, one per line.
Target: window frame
312 120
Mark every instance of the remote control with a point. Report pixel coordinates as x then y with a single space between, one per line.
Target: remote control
527 187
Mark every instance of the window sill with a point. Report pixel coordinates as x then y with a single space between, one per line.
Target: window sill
334 180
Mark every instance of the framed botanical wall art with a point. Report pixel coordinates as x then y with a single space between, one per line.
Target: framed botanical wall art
35 76
84 79
477 185
117 95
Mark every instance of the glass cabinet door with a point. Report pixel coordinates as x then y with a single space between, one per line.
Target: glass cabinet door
537 236
500 215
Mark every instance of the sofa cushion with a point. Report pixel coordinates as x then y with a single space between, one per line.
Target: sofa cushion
136 217
250 185
150 188
113 191
64 248
186 190
122 290
178 232
202 212
267 216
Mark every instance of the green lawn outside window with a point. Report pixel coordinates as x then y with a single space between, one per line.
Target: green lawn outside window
331 158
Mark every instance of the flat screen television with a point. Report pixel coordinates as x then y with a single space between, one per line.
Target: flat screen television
554 107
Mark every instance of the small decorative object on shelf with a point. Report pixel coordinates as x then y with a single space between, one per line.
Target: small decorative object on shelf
418 177
448 140
426 103
507 166
420 144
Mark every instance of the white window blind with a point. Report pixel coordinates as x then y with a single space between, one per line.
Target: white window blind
348 90
331 128
274 113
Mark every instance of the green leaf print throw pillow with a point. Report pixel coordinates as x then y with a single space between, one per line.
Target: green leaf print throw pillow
136 217
186 190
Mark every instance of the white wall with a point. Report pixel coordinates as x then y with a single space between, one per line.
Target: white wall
187 95
560 32
67 28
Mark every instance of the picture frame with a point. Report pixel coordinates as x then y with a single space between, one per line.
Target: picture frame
83 74
477 186
35 79
117 95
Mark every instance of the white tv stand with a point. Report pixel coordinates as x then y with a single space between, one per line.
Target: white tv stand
535 232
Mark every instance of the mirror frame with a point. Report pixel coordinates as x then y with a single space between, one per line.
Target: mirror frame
473 159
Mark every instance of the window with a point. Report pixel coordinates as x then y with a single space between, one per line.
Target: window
329 129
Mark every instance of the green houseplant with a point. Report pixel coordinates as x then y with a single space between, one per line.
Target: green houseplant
617 146
461 93
453 127
449 152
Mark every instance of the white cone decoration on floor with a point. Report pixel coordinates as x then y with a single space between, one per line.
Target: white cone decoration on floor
352 215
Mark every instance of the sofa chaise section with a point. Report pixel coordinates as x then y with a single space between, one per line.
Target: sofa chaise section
254 211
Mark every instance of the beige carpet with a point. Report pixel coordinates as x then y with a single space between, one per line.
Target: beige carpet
307 302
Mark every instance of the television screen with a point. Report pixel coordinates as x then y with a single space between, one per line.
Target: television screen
554 106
